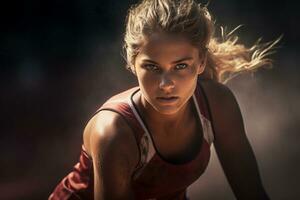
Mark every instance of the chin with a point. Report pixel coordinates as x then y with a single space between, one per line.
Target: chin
167 110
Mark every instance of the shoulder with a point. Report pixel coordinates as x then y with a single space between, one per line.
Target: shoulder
220 98
109 132
111 144
225 111
216 91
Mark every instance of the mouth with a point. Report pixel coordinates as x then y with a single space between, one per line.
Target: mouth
170 99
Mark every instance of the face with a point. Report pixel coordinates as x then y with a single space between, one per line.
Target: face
167 68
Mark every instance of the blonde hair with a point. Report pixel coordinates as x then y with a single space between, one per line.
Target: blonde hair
225 57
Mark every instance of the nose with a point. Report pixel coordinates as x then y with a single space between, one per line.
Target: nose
166 83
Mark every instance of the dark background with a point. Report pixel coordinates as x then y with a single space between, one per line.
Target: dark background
60 60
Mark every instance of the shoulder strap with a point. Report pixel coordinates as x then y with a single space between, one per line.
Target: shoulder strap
205 113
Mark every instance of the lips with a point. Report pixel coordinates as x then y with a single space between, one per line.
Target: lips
167 100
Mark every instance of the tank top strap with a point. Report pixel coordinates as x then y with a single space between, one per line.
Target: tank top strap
147 150
125 111
205 114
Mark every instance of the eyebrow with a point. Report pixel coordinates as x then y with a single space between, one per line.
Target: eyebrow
173 62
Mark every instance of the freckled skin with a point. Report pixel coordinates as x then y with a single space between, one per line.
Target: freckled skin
167 79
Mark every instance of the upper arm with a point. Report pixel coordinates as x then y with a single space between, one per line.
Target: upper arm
232 146
114 152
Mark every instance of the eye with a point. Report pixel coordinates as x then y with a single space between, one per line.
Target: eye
151 67
181 66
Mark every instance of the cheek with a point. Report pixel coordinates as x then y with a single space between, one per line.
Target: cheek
195 69
189 80
188 75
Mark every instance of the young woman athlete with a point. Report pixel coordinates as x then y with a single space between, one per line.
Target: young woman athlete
153 141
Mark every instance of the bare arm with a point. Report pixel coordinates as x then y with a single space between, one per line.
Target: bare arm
115 155
232 146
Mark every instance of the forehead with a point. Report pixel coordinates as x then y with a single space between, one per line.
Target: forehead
167 47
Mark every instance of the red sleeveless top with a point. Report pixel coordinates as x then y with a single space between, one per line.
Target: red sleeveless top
155 177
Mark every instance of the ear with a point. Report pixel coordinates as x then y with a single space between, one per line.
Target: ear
202 65
132 69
